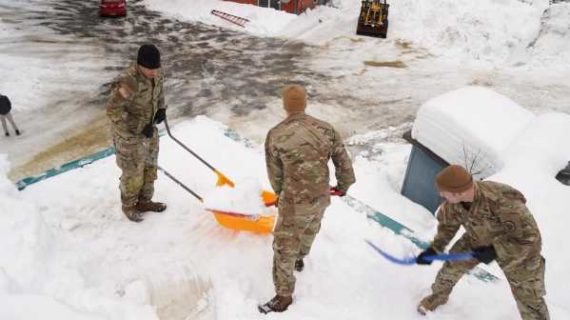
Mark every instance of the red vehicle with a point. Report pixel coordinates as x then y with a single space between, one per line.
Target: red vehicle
113 8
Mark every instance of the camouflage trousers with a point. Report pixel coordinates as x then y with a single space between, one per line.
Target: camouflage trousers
295 231
526 282
137 158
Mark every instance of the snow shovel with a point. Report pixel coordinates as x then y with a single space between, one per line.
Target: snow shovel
261 224
412 260
236 221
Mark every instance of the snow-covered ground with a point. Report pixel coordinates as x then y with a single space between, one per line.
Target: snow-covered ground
67 252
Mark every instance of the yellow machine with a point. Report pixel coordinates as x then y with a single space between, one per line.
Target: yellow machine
373 20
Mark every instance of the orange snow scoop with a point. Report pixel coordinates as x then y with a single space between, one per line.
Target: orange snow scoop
232 220
262 224
254 223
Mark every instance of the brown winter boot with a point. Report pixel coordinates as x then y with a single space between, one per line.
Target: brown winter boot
299 265
132 213
430 303
144 206
277 304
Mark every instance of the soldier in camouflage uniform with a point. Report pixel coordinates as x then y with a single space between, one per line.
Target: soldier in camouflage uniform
297 152
498 225
135 107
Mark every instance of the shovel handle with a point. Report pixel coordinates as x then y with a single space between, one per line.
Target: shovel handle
221 178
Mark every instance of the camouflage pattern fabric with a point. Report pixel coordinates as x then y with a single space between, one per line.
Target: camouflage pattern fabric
295 231
136 154
130 115
297 153
497 216
137 158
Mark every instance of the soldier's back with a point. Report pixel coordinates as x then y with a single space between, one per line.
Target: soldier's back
304 145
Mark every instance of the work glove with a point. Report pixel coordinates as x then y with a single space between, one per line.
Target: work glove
335 192
148 130
485 254
160 116
421 259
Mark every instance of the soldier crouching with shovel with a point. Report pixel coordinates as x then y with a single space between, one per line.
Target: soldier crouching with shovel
498 226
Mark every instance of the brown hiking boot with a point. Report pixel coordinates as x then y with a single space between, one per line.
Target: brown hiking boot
145 206
132 213
277 304
430 303
299 265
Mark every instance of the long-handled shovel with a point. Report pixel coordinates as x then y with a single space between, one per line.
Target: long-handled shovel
222 179
269 198
412 260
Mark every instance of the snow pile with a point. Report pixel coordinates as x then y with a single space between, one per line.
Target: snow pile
23 234
507 32
553 42
263 21
470 126
46 271
466 30
244 198
33 271
532 161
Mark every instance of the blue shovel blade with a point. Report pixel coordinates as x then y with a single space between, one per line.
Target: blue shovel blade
391 258
412 260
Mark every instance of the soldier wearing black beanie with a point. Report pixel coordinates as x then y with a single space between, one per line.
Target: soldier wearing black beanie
149 56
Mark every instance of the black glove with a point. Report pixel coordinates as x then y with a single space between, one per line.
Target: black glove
148 130
485 254
421 259
160 116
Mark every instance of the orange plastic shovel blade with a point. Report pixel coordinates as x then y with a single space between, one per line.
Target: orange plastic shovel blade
224 181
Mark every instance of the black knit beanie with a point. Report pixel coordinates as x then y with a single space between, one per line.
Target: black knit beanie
149 56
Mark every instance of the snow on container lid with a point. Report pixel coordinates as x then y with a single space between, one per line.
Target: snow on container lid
470 126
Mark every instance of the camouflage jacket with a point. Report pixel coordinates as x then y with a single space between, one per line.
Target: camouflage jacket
497 216
297 153
130 115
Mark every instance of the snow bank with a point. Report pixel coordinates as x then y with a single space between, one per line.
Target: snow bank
532 161
46 271
26 239
263 21
552 44
470 126
507 32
